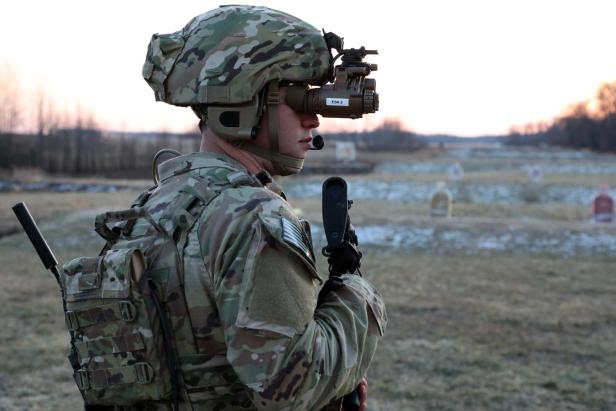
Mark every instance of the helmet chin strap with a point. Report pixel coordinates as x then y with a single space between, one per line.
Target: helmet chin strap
283 164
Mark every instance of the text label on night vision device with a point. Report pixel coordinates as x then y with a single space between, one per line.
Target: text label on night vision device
337 102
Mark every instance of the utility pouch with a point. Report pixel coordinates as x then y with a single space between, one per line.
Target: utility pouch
111 309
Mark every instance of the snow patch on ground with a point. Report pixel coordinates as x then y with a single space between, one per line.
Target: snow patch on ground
551 161
525 153
487 238
443 167
10 186
463 192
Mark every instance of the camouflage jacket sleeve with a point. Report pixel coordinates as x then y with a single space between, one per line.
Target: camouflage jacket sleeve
290 353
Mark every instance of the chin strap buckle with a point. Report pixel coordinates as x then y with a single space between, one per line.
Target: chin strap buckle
273 98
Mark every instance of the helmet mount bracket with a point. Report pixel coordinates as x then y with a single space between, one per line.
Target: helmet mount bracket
235 123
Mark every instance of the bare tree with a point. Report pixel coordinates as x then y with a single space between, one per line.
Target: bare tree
46 116
40 106
529 128
45 119
577 110
606 99
391 124
10 101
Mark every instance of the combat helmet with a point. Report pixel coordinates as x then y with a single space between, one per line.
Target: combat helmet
227 65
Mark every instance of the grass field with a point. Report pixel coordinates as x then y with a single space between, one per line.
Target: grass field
497 332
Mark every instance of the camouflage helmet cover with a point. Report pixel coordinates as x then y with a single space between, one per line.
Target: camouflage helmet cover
227 55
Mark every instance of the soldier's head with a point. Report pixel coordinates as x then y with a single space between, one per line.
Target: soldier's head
251 75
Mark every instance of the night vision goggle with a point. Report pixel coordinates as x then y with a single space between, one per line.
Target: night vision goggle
351 95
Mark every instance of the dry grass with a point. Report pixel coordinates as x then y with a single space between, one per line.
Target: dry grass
34 371
494 170
35 374
465 333
495 177
46 206
499 333
378 212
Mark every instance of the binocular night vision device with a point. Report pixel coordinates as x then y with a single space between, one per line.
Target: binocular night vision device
350 95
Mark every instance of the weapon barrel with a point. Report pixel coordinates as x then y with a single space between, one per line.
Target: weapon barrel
35 236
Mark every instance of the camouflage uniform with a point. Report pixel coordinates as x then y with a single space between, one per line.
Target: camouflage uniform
259 340
252 336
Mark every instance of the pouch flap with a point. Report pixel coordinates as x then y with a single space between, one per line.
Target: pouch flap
108 276
81 275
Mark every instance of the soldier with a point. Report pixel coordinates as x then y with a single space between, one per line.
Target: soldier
257 338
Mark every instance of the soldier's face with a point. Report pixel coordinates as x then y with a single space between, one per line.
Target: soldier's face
293 129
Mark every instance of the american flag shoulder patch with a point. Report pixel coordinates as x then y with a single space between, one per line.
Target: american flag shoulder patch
292 235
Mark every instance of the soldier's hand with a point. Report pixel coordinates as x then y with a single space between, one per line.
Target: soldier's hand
345 259
362 388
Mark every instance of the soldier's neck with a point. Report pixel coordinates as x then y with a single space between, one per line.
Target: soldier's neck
210 142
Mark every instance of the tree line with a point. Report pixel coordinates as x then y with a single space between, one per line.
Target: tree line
81 151
88 152
389 136
36 132
583 125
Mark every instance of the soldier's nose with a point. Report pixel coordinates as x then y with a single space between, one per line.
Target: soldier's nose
310 121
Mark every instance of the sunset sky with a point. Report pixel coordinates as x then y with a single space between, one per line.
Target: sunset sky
458 67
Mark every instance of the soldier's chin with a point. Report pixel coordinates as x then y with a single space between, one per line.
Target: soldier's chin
283 170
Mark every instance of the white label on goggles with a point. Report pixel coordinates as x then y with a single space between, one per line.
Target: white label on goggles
337 102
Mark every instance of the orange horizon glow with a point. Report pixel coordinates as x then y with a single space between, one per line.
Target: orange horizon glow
462 68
